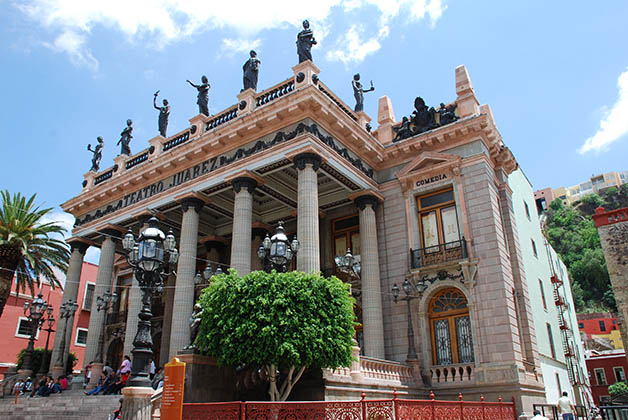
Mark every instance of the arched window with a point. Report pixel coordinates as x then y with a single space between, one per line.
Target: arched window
451 328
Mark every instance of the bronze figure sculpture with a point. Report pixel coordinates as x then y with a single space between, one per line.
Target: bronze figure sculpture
251 71
203 95
305 40
96 154
125 139
359 91
164 113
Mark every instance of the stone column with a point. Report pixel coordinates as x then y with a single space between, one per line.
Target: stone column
167 322
371 287
70 292
308 258
242 222
186 270
135 303
97 318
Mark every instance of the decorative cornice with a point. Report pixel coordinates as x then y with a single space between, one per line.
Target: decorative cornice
80 246
303 159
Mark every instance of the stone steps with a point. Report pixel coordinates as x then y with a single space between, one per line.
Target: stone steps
65 406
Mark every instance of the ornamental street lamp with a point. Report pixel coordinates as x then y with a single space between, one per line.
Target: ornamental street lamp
103 303
34 310
348 264
409 296
150 257
45 363
277 252
200 279
65 313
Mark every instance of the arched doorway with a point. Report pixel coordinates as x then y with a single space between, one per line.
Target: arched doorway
114 353
450 327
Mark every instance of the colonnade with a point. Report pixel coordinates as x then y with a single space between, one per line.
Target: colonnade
180 302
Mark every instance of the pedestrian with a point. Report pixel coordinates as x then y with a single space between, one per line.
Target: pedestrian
18 388
126 365
158 377
88 373
565 407
63 381
28 386
152 369
100 387
538 416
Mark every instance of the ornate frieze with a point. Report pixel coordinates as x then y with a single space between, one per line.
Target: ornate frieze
218 162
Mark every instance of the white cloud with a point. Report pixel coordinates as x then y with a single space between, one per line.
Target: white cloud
163 21
231 46
92 255
67 221
73 44
354 49
614 125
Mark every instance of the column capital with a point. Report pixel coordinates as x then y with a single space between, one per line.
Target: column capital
364 200
303 159
79 246
192 203
244 182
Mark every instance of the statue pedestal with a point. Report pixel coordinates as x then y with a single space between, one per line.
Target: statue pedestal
246 98
205 381
136 404
363 119
308 69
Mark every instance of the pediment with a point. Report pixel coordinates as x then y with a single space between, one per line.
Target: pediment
427 161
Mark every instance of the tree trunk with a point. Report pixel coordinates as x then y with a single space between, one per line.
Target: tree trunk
7 273
282 393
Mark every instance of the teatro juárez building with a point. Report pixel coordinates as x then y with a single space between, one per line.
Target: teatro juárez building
425 198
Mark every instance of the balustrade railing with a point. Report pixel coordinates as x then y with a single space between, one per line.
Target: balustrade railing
274 92
176 141
385 369
138 159
452 373
551 412
382 409
441 253
221 119
104 176
336 100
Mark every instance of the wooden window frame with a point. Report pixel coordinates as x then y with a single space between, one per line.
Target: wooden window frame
347 232
451 317
437 208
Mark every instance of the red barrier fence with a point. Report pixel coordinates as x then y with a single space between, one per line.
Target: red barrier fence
393 409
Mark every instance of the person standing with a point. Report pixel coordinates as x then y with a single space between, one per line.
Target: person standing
152 369
565 407
126 365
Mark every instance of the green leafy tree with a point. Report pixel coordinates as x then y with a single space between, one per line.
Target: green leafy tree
27 249
618 388
38 358
283 323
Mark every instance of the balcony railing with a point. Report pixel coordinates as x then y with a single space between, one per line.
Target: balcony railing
441 253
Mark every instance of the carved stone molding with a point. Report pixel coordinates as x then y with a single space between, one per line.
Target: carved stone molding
302 159
241 182
80 246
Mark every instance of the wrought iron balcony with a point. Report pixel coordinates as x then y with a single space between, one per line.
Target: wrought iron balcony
441 253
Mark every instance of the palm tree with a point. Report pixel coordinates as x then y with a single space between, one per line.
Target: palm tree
27 251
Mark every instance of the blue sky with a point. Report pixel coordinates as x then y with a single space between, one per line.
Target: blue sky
554 73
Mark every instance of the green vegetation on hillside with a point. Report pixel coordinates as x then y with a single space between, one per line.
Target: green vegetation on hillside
571 232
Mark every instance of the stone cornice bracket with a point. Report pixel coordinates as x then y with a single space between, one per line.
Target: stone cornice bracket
244 182
303 159
469 270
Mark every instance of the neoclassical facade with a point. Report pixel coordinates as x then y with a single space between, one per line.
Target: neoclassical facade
425 198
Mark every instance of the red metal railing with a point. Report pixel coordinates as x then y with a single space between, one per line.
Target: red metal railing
391 409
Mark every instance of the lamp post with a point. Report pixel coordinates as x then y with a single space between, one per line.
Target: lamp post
201 279
34 310
43 367
103 303
150 257
409 296
348 264
277 252
65 313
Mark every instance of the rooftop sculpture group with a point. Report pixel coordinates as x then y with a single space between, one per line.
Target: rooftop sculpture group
424 118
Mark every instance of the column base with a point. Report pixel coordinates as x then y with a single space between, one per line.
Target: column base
136 403
205 381
57 371
24 373
96 371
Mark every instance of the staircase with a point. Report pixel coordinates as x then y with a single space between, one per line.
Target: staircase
69 405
